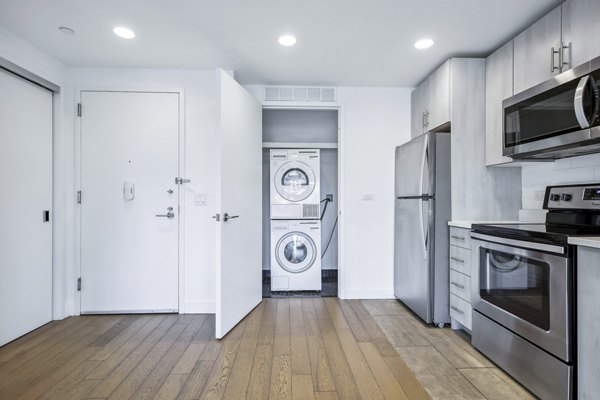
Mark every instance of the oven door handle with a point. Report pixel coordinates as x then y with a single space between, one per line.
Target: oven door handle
519 243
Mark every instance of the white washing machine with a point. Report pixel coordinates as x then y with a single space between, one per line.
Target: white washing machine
295 184
295 255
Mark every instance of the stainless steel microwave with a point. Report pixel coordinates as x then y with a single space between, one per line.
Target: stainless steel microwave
556 119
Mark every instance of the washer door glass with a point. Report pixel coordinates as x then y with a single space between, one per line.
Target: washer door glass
296 252
295 181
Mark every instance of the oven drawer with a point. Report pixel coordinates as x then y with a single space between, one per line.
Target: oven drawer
460 310
460 285
460 260
460 237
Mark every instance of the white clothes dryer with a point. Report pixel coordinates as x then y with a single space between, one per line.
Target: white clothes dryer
295 184
295 255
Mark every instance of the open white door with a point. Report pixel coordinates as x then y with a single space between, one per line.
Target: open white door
239 247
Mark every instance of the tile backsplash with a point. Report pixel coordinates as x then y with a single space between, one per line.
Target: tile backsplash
535 178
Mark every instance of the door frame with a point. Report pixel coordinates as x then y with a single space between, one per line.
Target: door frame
276 105
182 173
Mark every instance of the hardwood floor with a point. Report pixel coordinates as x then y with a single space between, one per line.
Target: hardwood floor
308 348
443 360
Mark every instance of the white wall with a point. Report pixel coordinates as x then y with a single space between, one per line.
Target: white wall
376 120
200 103
535 178
29 57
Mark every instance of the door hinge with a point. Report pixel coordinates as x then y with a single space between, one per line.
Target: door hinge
79 197
179 181
79 109
79 284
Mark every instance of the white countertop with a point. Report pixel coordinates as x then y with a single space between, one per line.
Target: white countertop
585 241
468 224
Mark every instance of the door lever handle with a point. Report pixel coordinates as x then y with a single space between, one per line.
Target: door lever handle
227 217
169 215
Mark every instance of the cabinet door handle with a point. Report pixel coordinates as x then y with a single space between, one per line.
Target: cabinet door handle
457 237
423 120
553 52
458 285
562 57
460 260
458 310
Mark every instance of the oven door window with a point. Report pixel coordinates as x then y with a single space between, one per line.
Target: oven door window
516 284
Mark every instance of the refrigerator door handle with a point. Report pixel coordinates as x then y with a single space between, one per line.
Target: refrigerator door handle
424 234
423 163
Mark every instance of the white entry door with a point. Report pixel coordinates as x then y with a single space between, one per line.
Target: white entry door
129 202
26 192
239 229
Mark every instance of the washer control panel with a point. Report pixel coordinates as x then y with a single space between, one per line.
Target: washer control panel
573 197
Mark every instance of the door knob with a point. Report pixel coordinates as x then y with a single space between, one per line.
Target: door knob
170 214
227 217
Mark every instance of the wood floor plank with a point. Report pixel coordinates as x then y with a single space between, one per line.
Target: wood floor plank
118 373
260 377
302 387
400 331
356 325
345 384
196 381
282 345
495 384
281 378
217 381
365 381
109 348
319 363
242 367
171 387
326 396
190 357
383 375
144 367
320 308
299 347
153 382
69 384
407 379
377 336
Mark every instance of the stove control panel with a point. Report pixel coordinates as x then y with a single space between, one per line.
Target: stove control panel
573 197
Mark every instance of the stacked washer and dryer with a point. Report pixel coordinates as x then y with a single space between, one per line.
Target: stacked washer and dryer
295 219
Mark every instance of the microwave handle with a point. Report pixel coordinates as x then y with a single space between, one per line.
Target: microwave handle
578 102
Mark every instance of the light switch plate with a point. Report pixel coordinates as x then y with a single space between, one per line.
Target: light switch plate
201 199
368 196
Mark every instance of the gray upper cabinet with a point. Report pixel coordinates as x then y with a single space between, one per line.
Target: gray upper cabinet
437 99
581 30
498 86
536 52
417 117
430 102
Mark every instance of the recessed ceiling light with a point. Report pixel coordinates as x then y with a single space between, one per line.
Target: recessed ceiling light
287 40
424 44
124 32
65 30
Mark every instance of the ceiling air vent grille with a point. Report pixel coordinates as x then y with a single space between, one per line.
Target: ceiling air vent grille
300 94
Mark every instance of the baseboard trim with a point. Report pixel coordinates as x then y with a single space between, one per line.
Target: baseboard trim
200 307
358 293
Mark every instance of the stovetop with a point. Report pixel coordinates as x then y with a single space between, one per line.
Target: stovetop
544 233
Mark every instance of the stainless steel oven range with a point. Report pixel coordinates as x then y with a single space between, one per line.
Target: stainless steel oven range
523 291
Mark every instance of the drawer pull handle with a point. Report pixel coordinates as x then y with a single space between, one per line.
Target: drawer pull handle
457 237
460 260
458 285
458 310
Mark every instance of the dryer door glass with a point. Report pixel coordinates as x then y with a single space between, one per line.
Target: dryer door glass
295 181
296 252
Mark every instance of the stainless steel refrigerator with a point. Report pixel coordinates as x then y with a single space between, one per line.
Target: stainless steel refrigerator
422 212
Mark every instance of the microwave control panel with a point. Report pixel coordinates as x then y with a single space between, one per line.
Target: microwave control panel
573 197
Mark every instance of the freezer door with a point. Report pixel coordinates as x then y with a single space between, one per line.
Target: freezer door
415 167
412 255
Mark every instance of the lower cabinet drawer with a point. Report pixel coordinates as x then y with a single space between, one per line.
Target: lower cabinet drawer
460 260
460 310
460 285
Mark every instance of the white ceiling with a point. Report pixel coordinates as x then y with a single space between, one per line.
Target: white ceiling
340 42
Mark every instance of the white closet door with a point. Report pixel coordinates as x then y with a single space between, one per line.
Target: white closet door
130 202
25 193
239 240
